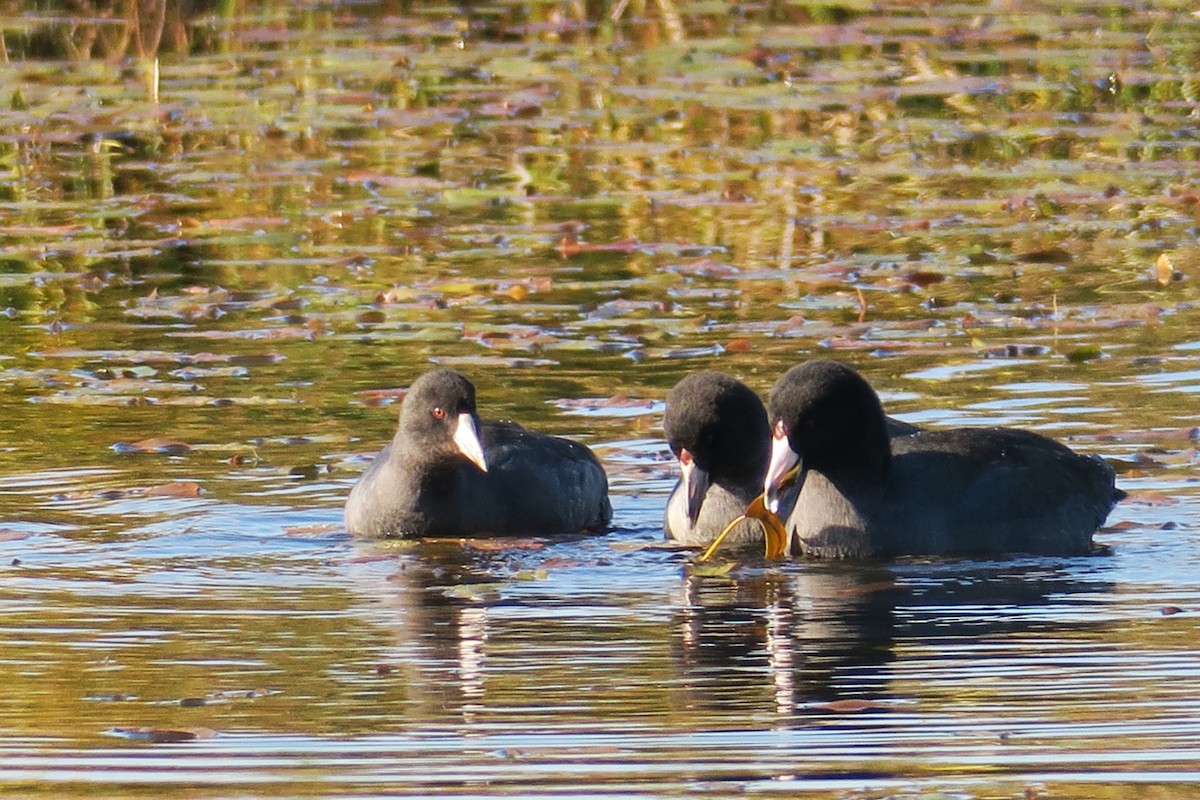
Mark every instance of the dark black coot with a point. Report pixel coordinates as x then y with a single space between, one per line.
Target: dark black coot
717 428
445 473
963 491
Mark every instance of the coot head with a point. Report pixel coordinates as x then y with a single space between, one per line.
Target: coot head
438 419
717 428
824 415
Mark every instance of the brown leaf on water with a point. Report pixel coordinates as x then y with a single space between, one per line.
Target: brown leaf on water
316 529
524 105
1046 255
1165 272
1126 525
618 405
162 735
1150 499
285 333
561 562
569 246
155 444
1188 434
922 279
706 268
503 543
47 231
738 346
381 397
13 535
173 489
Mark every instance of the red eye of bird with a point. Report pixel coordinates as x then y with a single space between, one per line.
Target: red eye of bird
438 412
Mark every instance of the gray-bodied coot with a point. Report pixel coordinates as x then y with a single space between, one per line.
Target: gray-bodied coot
446 473
717 428
962 491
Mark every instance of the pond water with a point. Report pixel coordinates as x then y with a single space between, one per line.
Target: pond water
211 297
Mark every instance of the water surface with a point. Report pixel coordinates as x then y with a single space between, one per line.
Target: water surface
210 299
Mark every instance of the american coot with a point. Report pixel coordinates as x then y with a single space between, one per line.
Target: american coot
961 491
717 427
445 473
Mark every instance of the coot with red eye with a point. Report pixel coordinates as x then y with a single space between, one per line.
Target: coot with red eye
961 491
446 473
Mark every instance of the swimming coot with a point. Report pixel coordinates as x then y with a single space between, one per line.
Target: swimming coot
445 473
963 491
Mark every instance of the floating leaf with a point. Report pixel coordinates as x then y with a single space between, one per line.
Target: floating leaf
706 268
539 574
381 397
316 529
154 445
1149 498
560 562
173 489
738 346
162 735
473 591
1165 272
502 543
1046 255
711 570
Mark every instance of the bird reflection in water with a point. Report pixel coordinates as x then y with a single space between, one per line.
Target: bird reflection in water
804 631
799 638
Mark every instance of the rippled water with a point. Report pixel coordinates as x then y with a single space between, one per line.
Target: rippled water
210 299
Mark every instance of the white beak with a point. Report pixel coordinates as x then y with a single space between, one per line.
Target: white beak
783 458
695 484
466 439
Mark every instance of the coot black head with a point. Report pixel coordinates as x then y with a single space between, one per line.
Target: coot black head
717 428
825 415
438 419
